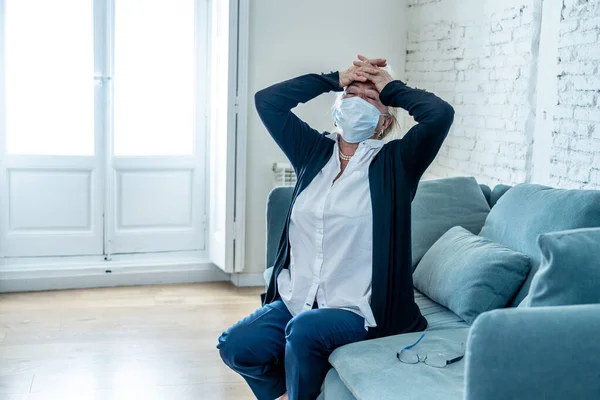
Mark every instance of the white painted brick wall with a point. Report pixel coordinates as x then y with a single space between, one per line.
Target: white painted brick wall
575 151
481 65
480 56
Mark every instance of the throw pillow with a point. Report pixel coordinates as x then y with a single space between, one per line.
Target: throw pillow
469 274
528 210
570 270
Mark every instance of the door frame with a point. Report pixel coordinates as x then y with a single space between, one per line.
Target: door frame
241 106
226 248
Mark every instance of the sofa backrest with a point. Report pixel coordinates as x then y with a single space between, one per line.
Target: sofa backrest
441 204
487 192
279 201
278 204
499 191
527 210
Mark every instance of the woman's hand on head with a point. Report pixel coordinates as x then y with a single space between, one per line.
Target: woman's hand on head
372 72
351 74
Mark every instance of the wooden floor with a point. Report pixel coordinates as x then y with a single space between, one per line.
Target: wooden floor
150 342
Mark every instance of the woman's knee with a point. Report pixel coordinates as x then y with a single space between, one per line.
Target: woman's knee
230 348
321 331
256 340
301 333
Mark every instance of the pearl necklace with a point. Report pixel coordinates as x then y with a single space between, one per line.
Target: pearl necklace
344 157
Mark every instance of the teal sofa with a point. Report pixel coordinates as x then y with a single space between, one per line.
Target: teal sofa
517 352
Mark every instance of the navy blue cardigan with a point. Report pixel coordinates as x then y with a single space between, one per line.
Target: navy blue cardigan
393 177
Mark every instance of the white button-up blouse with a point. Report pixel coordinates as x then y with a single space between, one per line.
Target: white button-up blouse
331 239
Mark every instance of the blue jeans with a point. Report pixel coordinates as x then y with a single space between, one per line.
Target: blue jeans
275 352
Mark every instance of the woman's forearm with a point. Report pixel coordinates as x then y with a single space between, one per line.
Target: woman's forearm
282 97
274 105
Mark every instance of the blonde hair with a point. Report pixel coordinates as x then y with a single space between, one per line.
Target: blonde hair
393 130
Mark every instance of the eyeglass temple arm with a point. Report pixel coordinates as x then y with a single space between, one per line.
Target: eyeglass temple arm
457 359
454 360
415 343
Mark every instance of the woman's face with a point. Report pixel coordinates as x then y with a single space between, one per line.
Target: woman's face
368 92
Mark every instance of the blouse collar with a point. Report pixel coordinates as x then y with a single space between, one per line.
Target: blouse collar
370 143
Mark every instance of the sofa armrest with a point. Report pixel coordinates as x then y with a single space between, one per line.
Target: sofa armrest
535 353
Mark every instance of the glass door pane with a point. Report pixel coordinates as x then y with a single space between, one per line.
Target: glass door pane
49 77
154 80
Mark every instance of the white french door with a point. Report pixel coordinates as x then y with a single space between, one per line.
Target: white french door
103 126
156 197
51 172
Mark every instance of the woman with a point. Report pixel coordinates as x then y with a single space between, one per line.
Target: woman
343 271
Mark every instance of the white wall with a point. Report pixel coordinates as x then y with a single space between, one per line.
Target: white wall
478 55
575 142
289 38
522 76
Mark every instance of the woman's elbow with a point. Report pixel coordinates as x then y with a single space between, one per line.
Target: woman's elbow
446 116
448 112
260 99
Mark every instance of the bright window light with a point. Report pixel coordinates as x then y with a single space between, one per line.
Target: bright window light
154 77
49 77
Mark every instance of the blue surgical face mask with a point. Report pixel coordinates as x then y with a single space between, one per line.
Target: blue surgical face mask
356 118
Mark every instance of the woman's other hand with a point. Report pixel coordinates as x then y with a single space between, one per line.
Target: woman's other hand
371 70
351 74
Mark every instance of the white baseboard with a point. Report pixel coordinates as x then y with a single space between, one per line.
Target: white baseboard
247 280
22 278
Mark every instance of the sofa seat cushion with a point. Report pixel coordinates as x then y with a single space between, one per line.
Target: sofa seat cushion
437 316
334 389
370 369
